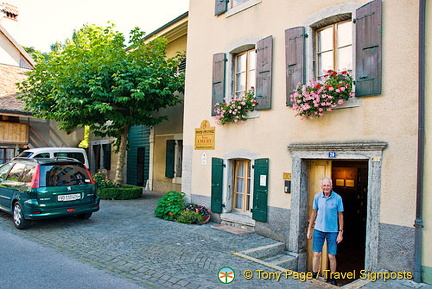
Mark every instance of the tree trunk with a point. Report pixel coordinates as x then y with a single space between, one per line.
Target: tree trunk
121 156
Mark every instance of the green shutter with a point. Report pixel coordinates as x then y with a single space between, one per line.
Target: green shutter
294 59
369 49
261 171
216 188
264 57
218 80
221 6
170 159
107 156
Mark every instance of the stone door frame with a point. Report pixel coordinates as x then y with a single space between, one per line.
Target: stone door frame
302 154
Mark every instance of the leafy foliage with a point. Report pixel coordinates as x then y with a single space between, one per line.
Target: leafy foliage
189 217
95 80
126 192
170 205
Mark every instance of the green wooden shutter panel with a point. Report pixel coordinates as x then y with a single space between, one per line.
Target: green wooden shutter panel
218 80
369 49
294 59
170 159
216 185
221 6
264 56
107 156
261 174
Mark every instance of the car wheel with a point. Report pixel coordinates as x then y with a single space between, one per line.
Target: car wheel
18 217
84 216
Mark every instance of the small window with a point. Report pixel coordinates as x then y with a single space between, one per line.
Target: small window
234 3
245 72
242 194
6 154
334 47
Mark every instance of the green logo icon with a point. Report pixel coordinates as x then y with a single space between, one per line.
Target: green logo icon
226 275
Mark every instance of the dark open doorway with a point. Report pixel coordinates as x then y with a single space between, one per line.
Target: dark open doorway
350 180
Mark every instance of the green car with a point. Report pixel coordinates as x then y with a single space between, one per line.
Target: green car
34 189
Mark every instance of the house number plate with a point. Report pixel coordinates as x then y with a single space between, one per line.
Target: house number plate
332 155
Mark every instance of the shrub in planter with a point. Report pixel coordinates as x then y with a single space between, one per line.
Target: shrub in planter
127 192
189 217
170 205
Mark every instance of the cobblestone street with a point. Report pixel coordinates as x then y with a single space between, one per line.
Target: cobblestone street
125 239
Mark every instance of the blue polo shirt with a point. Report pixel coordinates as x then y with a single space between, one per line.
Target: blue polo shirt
327 211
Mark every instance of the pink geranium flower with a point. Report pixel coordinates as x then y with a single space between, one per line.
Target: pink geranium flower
310 101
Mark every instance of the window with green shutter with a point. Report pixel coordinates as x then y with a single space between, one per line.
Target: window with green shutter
252 68
333 48
260 193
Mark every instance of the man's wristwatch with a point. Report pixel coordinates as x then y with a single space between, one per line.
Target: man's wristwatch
340 230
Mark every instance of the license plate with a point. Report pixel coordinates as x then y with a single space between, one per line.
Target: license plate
69 197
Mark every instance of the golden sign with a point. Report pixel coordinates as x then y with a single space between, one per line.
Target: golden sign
205 136
286 176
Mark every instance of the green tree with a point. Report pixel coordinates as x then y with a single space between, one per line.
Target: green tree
96 80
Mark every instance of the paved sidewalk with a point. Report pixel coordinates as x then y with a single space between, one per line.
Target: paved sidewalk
125 239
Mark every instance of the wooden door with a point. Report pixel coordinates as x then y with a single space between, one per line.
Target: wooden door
318 170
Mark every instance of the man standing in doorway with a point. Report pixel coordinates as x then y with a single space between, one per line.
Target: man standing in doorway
328 214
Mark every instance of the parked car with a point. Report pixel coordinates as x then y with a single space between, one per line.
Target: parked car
54 152
34 189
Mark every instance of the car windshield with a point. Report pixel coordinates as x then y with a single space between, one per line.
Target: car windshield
63 174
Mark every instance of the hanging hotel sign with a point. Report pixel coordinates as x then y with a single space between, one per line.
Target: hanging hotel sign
205 136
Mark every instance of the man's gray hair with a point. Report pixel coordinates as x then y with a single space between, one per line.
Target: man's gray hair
328 180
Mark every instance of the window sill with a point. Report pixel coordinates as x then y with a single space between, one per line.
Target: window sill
253 114
353 102
242 7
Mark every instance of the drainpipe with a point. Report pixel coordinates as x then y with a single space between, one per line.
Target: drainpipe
421 143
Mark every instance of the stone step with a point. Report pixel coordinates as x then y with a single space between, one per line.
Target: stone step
266 251
283 260
273 256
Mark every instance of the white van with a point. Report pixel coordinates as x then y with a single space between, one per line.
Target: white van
53 152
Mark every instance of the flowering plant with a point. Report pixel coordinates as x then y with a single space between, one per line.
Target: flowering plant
202 210
236 110
102 181
322 95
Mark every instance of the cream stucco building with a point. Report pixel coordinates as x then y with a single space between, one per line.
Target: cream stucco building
261 174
